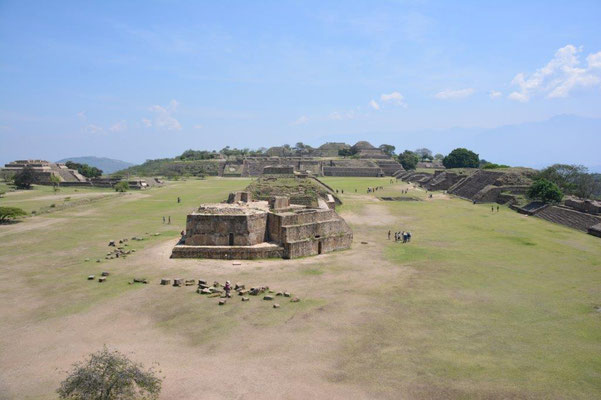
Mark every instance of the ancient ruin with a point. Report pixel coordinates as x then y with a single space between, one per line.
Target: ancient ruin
297 222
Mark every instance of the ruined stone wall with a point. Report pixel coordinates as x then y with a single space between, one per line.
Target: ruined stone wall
362 172
227 252
311 247
470 186
443 180
313 230
491 193
588 206
215 230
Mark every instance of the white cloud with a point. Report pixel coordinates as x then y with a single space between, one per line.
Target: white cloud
373 104
198 126
303 119
394 98
163 118
118 127
454 94
559 76
494 94
146 122
82 116
91 128
339 116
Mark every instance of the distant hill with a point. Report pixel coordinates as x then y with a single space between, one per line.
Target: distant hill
107 165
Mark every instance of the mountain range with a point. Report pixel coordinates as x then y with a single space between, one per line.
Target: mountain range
107 165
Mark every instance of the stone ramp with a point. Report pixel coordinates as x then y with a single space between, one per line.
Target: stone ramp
568 217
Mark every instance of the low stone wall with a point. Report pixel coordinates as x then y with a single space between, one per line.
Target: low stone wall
490 194
587 206
595 230
313 230
311 247
343 171
228 252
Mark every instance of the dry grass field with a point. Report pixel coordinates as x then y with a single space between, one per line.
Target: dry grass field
478 305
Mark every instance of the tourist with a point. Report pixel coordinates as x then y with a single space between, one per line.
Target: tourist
342 191
179 200
388 235
227 288
497 208
169 220
492 208
408 236
163 219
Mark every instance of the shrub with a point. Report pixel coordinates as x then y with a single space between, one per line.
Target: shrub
494 166
109 375
122 186
24 178
545 191
10 213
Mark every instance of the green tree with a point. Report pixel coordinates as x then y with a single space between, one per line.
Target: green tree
408 159
25 178
545 191
56 181
109 375
345 152
86 170
387 149
9 213
424 154
461 158
439 156
122 186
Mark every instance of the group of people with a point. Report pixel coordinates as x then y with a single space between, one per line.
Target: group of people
374 189
168 219
403 236
342 190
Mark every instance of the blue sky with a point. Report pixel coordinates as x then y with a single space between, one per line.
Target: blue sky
149 79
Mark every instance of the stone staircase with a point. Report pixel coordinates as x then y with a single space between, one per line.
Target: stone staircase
471 185
568 217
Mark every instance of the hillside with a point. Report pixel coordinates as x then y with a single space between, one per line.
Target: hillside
107 165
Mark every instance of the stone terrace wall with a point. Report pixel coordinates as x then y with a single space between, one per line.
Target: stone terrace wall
443 180
491 193
227 252
568 217
214 230
470 186
310 247
389 167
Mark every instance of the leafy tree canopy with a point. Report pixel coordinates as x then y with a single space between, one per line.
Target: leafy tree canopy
122 186
9 213
545 191
461 158
24 178
408 159
387 149
86 170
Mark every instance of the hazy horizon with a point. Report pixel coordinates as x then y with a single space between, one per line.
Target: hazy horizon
520 83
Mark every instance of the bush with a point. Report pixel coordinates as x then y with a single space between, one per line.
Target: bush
109 375
122 186
494 166
9 213
461 158
545 191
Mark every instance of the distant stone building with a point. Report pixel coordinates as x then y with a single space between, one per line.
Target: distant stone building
364 149
247 229
43 171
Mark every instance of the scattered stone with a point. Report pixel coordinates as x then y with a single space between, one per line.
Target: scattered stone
98 260
222 302
243 292
276 305
205 291
203 286
201 282
216 284
190 282
91 277
363 242
237 263
140 280
268 297
177 282
87 259
239 286
295 300
245 299
279 294
214 295
112 243
157 234
105 274
102 279
215 290
286 294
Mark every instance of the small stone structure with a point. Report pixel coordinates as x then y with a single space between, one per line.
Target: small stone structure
278 170
44 170
246 229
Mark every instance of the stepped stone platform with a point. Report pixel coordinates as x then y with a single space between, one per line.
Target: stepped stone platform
247 229
443 180
595 230
568 217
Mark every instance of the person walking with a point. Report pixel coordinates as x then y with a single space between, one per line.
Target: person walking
163 219
227 288
497 208
169 223
388 235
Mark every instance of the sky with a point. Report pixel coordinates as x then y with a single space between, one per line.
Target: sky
139 80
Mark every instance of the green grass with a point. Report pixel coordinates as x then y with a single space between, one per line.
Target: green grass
478 305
